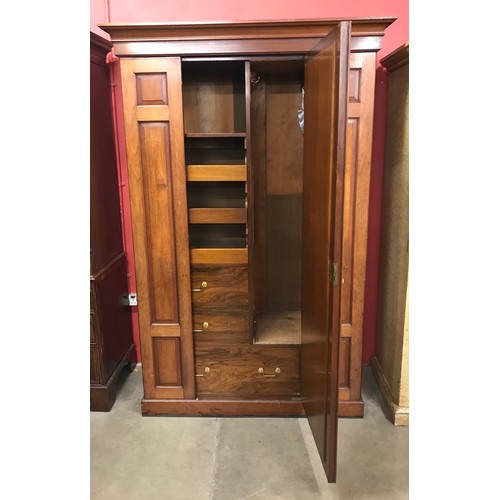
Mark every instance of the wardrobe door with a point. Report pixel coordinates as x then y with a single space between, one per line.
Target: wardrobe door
326 77
152 97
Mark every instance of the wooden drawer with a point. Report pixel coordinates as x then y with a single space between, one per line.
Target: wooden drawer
235 371
225 320
219 285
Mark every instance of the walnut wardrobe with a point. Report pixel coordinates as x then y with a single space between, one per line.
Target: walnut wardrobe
250 230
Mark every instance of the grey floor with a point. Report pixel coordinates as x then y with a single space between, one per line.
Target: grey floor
199 458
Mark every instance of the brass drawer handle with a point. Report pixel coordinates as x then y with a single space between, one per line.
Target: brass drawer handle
206 370
205 326
276 372
204 284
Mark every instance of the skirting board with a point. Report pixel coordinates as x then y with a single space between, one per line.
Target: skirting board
399 415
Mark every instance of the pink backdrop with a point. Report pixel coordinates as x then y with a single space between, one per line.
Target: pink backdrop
102 11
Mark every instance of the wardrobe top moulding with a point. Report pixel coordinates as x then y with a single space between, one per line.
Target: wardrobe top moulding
239 38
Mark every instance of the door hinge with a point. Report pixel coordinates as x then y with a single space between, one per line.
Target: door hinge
334 273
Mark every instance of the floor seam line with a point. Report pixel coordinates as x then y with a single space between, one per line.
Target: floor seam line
216 446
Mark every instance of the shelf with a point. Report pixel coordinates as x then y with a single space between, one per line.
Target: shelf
217 215
279 328
217 173
213 135
215 194
225 256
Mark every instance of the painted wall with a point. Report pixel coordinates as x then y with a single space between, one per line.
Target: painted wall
118 11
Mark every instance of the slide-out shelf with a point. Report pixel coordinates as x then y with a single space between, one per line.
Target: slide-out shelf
216 173
217 215
213 135
226 256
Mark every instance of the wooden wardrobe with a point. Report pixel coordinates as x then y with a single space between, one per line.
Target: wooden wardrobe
111 340
249 233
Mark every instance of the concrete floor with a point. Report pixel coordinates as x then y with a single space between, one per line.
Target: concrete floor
200 458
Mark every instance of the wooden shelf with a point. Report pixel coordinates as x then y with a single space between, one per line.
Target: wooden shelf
217 215
217 173
226 256
282 328
214 135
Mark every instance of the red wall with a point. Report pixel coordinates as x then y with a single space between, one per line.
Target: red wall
118 11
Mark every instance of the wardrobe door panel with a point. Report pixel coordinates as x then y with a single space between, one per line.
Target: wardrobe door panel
152 96
326 75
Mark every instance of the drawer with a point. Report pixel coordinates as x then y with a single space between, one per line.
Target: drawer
211 319
247 371
219 285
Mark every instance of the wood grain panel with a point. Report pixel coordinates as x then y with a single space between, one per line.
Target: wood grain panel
225 407
95 372
284 139
167 361
350 181
259 180
326 79
216 194
214 97
227 256
234 370
151 88
344 361
157 181
220 319
216 173
284 252
354 83
224 285
356 197
93 335
159 218
217 215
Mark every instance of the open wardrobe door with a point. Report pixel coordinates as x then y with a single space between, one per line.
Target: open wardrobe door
325 107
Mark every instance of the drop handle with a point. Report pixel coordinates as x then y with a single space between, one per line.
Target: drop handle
205 371
204 284
205 326
276 372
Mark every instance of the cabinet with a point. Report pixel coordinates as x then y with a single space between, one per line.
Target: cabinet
390 363
249 235
111 342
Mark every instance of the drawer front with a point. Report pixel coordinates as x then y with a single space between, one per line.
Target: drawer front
223 320
247 371
219 285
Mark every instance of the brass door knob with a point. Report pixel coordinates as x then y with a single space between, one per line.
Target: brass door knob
205 324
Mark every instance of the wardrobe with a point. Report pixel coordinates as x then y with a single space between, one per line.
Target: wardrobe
112 345
249 148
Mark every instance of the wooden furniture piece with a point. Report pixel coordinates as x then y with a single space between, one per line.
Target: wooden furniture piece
390 363
249 237
111 342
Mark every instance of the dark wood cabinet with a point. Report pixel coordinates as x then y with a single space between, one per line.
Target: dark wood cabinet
111 341
249 232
